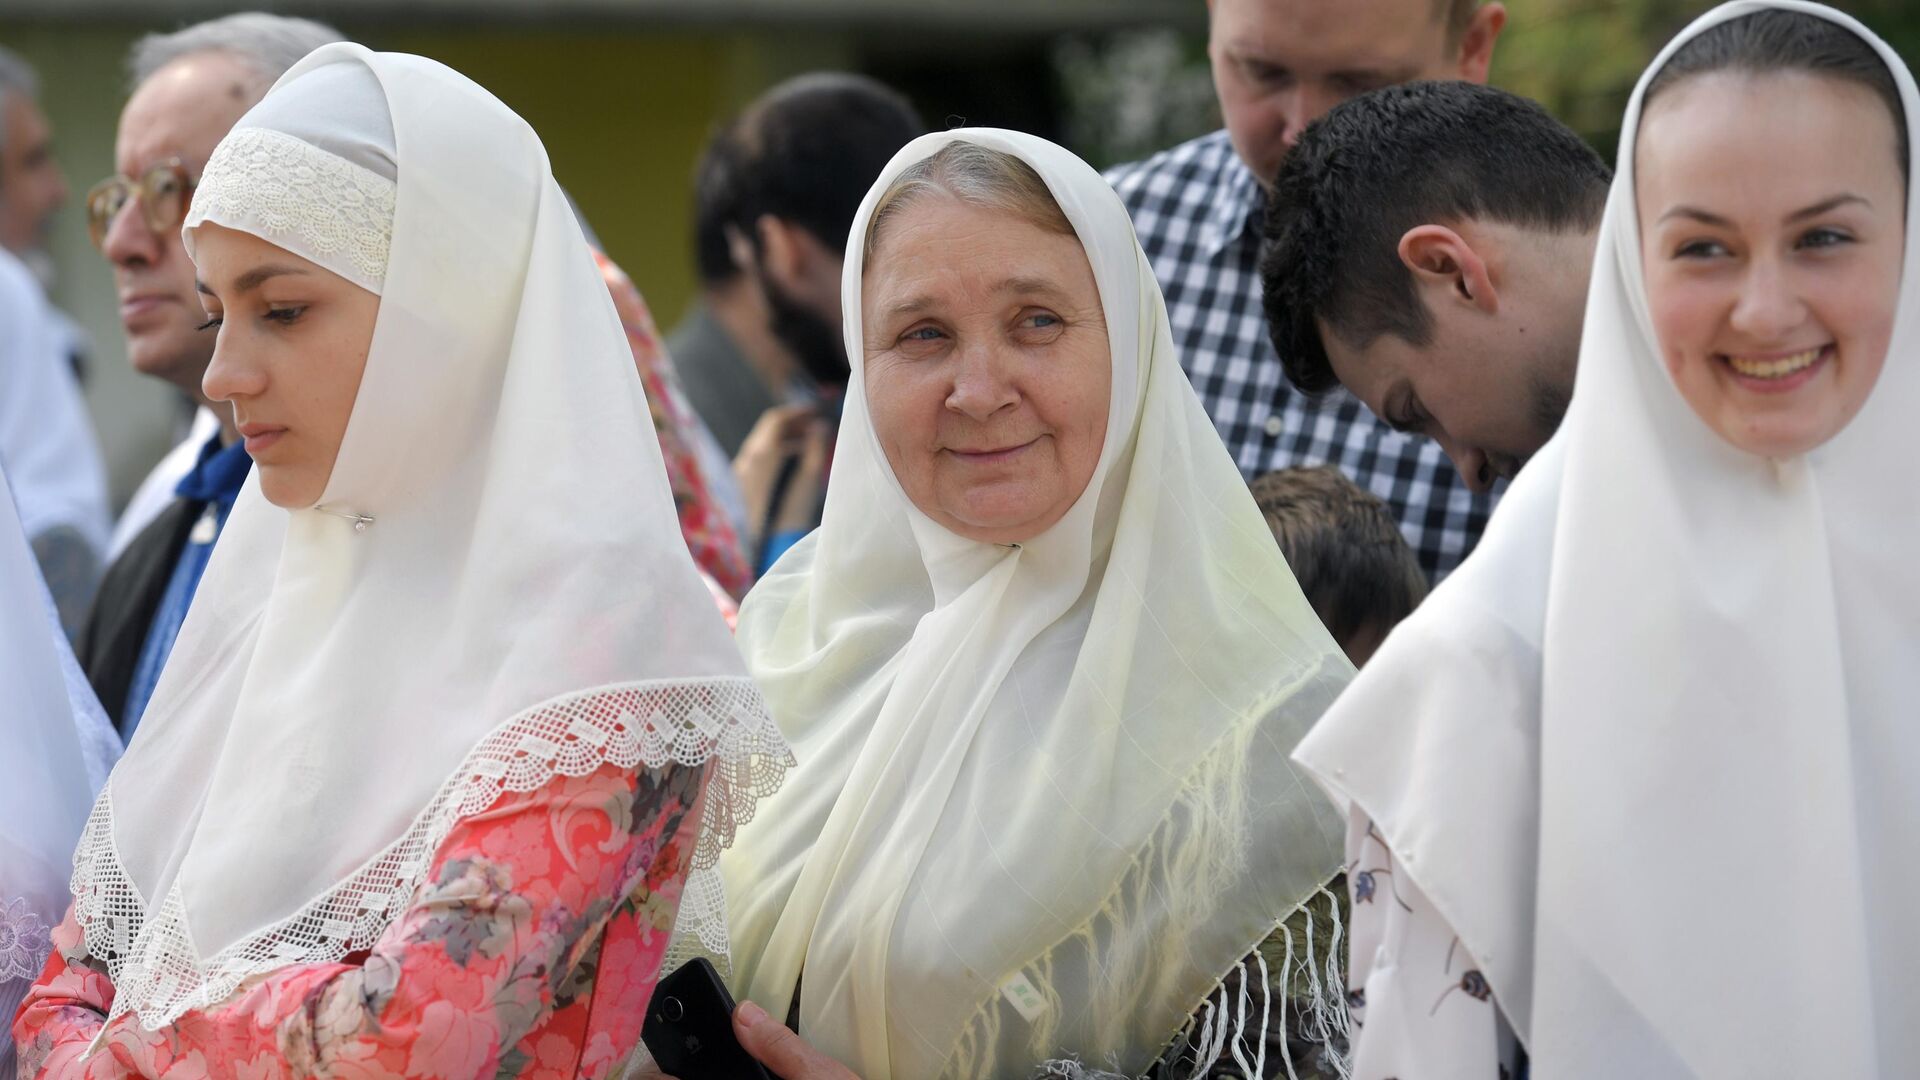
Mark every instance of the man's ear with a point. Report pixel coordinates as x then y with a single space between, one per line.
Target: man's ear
782 256
1441 259
1477 40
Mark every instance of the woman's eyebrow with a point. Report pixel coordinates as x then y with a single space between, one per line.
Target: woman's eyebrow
1013 286
1027 285
253 278
1824 206
1827 206
1698 215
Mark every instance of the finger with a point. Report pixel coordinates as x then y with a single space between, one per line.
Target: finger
780 1050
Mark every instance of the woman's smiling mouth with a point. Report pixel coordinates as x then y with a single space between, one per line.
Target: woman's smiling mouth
1780 372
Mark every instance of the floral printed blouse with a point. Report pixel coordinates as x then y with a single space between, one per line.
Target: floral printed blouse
709 534
530 950
1420 1008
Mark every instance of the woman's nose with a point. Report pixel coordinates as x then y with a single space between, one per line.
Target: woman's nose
231 374
1767 307
980 386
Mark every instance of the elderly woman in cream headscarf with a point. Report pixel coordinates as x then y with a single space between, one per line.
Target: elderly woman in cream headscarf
1042 666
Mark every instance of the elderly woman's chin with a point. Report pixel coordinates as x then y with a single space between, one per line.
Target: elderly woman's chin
1006 509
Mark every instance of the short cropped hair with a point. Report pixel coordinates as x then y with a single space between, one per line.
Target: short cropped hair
811 147
270 44
978 176
1388 161
1345 549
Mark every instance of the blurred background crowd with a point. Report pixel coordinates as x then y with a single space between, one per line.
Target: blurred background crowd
627 92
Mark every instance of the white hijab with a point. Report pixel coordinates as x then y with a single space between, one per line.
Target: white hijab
57 745
1044 801
491 592
1654 751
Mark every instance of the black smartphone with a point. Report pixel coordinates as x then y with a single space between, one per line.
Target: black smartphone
689 1028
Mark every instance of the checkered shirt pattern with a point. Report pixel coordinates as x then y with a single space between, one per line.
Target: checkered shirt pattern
1197 211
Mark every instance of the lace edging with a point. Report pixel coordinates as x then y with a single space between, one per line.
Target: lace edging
157 970
285 189
25 940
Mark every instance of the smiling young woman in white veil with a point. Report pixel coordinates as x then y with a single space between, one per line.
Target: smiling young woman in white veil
1639 785
1042 665
452 714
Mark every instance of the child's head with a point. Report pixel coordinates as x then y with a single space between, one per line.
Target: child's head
1771 176
1345 550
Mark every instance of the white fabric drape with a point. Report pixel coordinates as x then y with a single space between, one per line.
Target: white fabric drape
492 590
1653 751
1043 801
46 436
57 746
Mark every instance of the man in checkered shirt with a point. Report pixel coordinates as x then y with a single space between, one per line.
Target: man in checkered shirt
1277 66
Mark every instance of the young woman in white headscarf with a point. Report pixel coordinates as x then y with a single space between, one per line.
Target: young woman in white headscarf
452 714
1041 665
57 746
1635 792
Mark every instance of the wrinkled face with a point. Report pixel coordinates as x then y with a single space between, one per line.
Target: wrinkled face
290 344
1279 65
1772 229
182 111
31 184
987 369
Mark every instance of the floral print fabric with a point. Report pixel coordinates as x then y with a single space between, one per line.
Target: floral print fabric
710 536
1419 1006
530 950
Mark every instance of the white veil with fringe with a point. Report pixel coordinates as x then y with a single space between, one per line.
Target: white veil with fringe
1043 803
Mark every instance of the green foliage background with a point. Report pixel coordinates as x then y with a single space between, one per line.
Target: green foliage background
1580 58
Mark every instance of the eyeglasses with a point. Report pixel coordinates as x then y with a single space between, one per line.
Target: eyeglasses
162 190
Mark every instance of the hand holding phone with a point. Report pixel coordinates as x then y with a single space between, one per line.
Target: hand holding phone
689 1028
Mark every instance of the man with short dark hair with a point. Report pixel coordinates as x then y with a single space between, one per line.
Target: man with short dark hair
730 362
1429 248
1278 65
802 158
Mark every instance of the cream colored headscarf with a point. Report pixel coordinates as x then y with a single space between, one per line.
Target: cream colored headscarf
1654 750
1043 801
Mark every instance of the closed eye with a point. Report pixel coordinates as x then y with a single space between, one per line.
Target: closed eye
286 316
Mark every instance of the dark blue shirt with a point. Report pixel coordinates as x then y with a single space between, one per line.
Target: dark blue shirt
215 481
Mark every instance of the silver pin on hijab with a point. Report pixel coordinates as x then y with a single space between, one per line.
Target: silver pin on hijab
360 521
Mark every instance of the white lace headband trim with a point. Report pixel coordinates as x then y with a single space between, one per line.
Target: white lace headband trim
292 194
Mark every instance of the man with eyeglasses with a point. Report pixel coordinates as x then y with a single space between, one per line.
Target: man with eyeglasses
189 88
